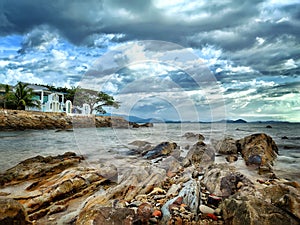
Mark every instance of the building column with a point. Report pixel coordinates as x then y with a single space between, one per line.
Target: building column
42 100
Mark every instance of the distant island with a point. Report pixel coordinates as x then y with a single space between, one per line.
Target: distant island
136 119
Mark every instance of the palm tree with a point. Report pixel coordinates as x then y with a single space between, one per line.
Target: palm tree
23 97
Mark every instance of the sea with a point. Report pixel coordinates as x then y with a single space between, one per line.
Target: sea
113 145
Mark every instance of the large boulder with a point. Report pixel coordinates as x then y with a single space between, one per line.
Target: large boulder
258 149
199 154
223 180
285 196
227 146
12 212
255 211
192 136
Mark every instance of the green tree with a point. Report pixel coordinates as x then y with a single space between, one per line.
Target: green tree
23 97
104 99
96 100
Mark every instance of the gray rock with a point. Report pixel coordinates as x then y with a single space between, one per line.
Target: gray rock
199 154
163 149
222 180
98 215
227 146
252 210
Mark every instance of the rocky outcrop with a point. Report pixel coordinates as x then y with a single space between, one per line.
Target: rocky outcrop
21 120
258 149
39 166
160 189
253 210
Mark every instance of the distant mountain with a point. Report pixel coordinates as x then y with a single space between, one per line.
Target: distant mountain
136 119
231 121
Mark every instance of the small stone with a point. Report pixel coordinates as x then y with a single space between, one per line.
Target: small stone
145 211
212 216
157 190
157 213
218 211
205 209
231 158
239 184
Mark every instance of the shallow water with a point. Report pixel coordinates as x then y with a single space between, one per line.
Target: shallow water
107 144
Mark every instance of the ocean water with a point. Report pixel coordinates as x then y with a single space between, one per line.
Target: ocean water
100 145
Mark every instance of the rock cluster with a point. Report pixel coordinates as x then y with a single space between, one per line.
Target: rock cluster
163 189
21 120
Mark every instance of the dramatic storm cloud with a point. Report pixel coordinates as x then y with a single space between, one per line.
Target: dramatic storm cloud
250 47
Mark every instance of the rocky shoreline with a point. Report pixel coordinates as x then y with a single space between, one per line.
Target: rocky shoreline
205 186
22 120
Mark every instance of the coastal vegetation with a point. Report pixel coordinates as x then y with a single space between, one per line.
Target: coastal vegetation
22 96
19 98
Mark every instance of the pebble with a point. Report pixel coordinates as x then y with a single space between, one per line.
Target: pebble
239 184
157 213
212 216
205 209
157 190
145 211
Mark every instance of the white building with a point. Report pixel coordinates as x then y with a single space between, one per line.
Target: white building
50 101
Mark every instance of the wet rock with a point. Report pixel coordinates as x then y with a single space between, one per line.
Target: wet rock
39 166
284 138
259 149
252 210
141 147
163 149
99 215
190 135
12 212
268 126
227 146
199 154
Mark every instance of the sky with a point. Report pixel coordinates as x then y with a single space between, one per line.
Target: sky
178 60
